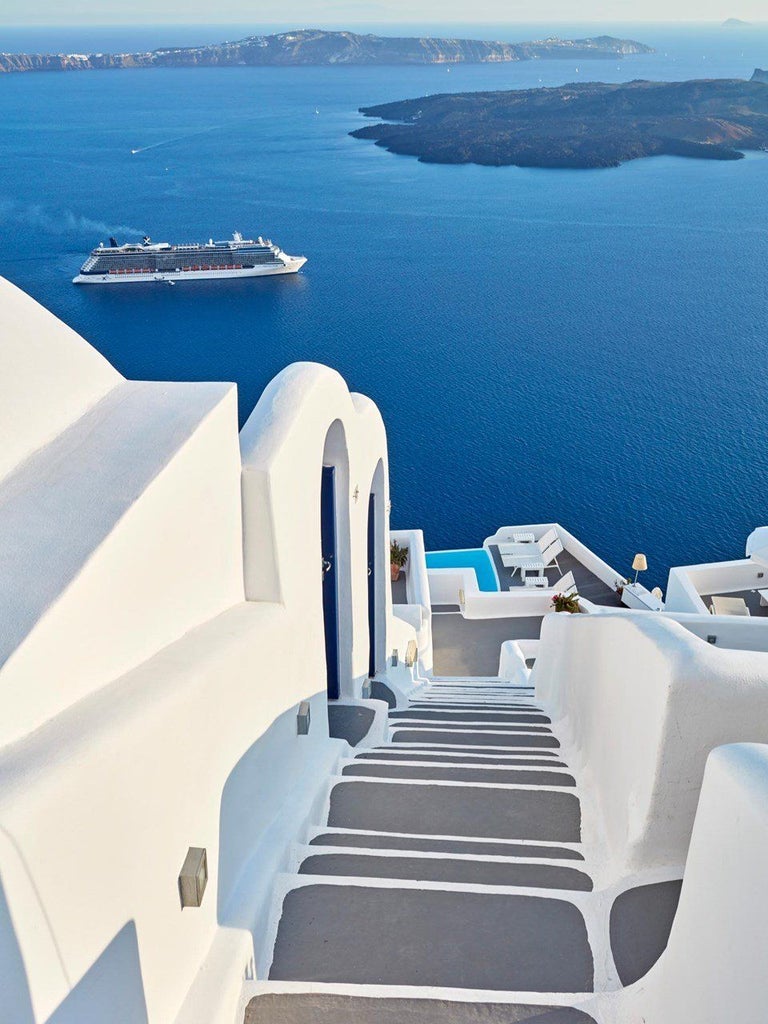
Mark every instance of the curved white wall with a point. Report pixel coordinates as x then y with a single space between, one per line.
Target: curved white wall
714 967
50 376
641 702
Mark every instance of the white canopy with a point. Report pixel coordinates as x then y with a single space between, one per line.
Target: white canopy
757 545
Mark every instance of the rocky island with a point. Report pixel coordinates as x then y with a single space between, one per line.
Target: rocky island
316 47
588 124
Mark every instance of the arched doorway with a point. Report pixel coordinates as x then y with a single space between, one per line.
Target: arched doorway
335 554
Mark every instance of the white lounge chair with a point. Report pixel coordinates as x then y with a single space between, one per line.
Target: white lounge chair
565 585
532 557
548 558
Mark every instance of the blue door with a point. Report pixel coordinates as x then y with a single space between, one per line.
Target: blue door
371 585
330 579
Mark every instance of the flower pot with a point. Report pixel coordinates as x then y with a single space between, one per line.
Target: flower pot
394 572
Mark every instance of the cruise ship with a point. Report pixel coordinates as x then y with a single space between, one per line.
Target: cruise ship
161 261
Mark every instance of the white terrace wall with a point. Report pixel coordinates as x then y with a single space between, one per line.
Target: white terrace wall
687 584
640 703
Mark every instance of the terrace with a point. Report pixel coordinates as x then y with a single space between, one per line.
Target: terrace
477 603
692 588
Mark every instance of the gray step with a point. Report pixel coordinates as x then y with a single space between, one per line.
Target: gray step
331 1008
423 844
479 739
454 810
433 757
444 869
447 938
514 750
461 707
505 776
454 715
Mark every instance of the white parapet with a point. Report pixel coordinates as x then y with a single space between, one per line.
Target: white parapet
641 702
713 968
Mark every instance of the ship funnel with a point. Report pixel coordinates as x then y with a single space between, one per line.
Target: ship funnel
113 242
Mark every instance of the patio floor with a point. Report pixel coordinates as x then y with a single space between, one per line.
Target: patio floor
588 585
470 647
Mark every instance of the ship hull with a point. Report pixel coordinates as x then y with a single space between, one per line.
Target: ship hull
292 266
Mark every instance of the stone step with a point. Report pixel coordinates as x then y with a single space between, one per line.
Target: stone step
467 706
527 757
452 809
434 844
337 1008
409 935
506 776
457 715
438 868
474 738
473 727
472 748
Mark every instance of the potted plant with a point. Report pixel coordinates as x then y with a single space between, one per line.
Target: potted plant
398 556
566 603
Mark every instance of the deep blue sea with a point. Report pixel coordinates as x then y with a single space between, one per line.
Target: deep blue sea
585 346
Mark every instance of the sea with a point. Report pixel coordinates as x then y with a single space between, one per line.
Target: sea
583 346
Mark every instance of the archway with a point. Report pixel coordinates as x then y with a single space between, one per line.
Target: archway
335 554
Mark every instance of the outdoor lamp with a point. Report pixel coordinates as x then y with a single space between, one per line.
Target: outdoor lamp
639 564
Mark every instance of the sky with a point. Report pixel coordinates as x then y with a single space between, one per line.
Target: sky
318 13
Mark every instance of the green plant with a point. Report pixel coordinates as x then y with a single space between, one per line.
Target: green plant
397 555
566 603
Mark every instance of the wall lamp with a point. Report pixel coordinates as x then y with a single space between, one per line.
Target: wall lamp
193 877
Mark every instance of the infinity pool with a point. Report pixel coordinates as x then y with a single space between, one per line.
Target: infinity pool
467 558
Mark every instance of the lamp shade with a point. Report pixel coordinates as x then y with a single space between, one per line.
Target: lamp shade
640 563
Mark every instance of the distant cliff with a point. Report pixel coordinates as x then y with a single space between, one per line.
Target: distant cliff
760 76
589 124
317 47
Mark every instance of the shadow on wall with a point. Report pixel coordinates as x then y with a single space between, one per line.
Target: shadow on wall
111 990
265 797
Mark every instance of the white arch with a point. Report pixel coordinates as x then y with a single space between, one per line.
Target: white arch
299 422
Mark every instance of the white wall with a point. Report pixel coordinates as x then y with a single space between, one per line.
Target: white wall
49 378
640 703
714 967
116 538
197 747
162 704
418 592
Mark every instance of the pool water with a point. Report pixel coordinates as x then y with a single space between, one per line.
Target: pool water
468 558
